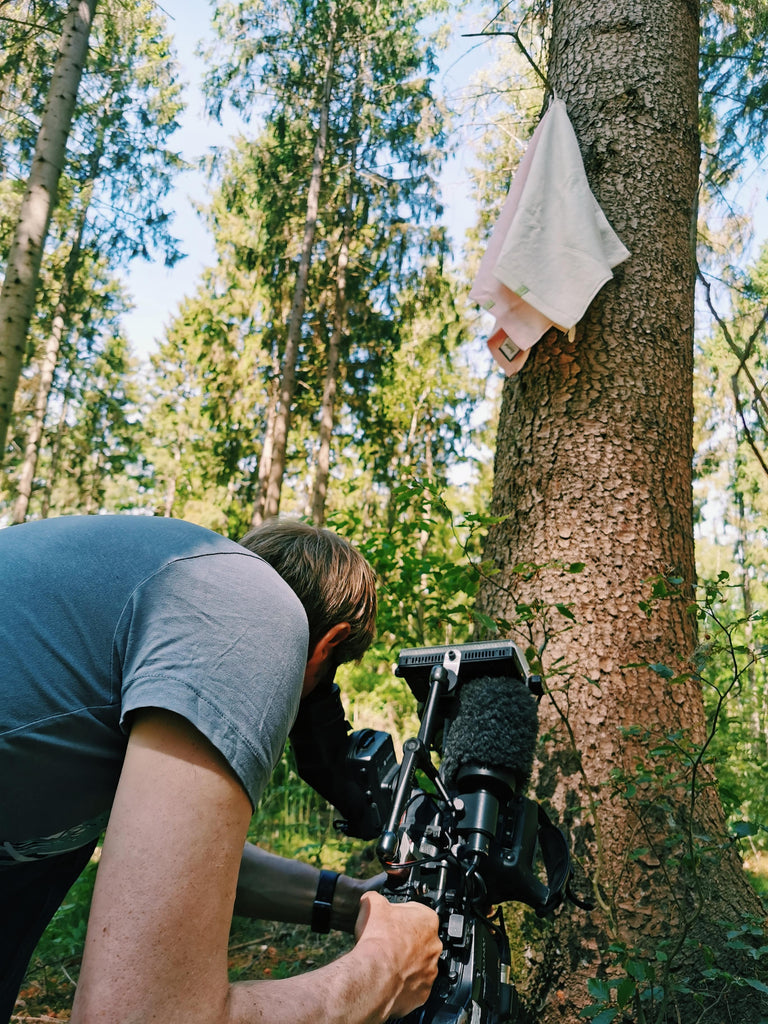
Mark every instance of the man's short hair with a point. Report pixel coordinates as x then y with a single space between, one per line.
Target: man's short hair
329 576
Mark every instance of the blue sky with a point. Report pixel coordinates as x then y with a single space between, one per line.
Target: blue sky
156 289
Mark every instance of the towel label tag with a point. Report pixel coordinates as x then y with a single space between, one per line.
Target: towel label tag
508 349
522 290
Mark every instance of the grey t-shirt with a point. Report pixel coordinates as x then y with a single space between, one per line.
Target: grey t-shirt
102 615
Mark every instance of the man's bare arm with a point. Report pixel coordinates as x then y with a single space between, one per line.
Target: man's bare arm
156 947
277 889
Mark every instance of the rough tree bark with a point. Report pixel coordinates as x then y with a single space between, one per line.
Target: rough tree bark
23 269
593 466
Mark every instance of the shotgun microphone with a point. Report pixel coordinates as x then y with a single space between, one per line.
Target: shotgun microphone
493 732
488 756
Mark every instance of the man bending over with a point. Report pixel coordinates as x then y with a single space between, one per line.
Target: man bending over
150 672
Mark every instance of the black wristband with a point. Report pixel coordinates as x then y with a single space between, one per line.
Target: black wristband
321 908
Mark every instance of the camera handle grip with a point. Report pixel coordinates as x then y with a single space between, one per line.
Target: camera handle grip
415 755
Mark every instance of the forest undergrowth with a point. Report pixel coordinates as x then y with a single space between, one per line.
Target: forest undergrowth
257 949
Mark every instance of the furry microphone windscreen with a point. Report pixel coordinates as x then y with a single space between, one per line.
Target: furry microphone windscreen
495 726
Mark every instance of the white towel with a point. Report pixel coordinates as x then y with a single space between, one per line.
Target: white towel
552 248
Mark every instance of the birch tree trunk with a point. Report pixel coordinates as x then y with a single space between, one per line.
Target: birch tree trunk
56 447
20 285
593 466
265 460
327 418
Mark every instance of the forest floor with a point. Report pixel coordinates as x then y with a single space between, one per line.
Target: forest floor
256 950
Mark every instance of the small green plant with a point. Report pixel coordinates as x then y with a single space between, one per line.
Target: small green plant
64 938
663 789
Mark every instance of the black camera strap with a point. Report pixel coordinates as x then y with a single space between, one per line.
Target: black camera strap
557 863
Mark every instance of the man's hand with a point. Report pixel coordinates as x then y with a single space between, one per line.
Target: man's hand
405 936
156 948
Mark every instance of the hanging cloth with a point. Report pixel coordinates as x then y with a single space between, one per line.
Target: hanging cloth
552 248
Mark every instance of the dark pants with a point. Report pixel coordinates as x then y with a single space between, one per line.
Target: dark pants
30 894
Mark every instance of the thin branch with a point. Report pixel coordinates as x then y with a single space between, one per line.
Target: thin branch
515 33
747 432
742 356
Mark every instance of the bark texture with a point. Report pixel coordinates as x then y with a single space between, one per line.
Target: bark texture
25 255
593 466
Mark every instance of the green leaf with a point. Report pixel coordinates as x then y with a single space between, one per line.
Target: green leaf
759 986
599 988
636 969
484 620
662 670
625 990
742 829
606 1016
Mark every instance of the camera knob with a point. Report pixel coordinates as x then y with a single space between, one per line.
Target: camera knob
387 847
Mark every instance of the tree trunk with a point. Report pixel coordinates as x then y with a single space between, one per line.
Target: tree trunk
290 357
172 482
265 461
47 370
18 294
327 418
593 466
58 440
327 407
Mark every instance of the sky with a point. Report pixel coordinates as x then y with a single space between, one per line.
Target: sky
157 290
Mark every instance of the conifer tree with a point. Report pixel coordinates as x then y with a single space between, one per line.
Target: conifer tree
593 490
118 170
354 81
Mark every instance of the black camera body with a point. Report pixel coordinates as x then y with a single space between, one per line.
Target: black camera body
462 838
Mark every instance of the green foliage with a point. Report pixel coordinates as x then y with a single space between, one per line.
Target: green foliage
128 106
731 661
645 989
427 559
64 938
662 787
118 172
734 84
293 821
406 404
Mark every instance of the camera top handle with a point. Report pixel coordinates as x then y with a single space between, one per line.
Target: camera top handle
416 755
442 681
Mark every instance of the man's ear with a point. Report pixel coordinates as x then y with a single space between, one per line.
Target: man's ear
336 634
321 656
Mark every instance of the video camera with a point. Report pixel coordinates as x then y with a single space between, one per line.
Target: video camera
465 839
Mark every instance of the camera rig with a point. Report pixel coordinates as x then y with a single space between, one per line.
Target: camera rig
462 838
